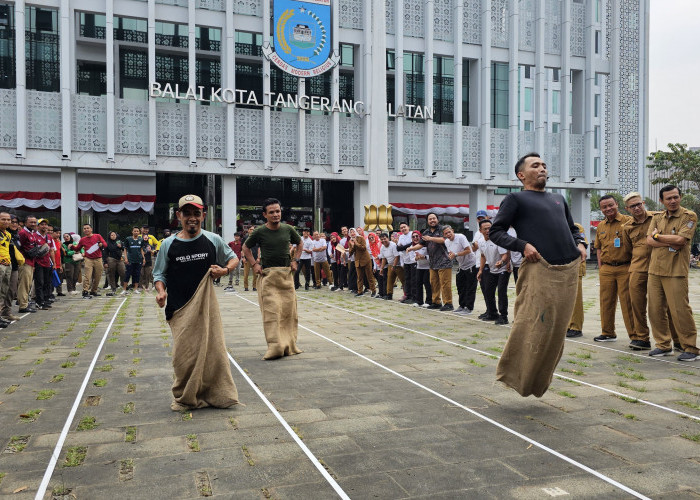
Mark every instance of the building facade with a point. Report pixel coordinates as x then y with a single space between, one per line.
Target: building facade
441 97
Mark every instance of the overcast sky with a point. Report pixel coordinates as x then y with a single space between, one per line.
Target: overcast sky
674 73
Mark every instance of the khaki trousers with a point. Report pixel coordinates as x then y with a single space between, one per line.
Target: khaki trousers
92 274
247 268
669 296
441 283
392 274
614 284
576 322
365 272
326 269
638 300
26 278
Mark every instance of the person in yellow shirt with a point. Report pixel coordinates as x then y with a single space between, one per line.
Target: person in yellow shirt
5 261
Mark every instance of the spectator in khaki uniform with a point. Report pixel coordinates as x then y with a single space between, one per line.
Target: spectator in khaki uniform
670 233
363 264
613 262
576 324
635 236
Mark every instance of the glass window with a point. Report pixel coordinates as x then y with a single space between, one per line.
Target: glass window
414 79
208 39
443 89
555 102
597 42
171 35
391 94
390 60
555 127
527 126
465 92
249 78
528 72
555 74
127 29
282 83
596 167
248 44
133 74
527 104
596 105
92 79
42 50
347 55
319 86
596 137
499 95
7 47
92 25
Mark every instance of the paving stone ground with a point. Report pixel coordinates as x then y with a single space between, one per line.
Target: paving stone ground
377 434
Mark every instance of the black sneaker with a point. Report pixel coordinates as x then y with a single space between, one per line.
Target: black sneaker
502 320
109 294
245 289
657 353
95 294
255 289
43 307
483 315
334 288
677 346
434 306
573 333
605 338
228 289
4 324
640 345
688 356
359 294
86 295
388 297
61 294
409 301
374 294
447 307
27 310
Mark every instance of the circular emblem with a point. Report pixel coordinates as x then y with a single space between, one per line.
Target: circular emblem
189 197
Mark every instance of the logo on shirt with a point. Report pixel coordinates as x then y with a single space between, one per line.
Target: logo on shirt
192 257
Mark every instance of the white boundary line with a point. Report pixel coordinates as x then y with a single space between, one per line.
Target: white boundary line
289 430
64 433
479 415
671 410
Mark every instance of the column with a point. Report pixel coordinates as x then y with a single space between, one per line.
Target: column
429 137
65 37
301 127
398 88
21 79
458 68
581 210
366 84
192 82
513 86
361 197
152 131
229 207
589 80
565 80
335 94
109 66
477 201
266 136
615 104
540 76
642 182
318 206
485 94
69 200
210 202
378 172
229 62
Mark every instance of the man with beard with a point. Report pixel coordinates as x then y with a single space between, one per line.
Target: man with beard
182 273
440 264
552 249
42 268
93 245
276 290
27 241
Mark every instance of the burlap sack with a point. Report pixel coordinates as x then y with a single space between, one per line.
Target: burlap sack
202 369
543 306
278 305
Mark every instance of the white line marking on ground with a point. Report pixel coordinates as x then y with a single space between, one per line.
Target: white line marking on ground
617 393
64 433
286 426
479 415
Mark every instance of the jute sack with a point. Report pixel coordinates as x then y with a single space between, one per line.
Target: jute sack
543 306
202 369
278 305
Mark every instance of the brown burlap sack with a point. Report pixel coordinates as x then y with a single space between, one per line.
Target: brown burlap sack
278 305
543 306
202 369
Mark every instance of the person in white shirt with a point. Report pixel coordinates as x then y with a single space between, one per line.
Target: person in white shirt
422 272
390 261
320 259
304 260
496 278
408 262
516 258
459 249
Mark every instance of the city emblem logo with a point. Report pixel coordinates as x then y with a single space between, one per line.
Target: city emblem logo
302 37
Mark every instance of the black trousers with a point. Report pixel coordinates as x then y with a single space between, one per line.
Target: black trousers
335 269
490 283
42 284
342 276
423 282
515 274
306 265
466 287
352 276
381 283
409 272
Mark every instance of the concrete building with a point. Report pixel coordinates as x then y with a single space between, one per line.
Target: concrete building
566 78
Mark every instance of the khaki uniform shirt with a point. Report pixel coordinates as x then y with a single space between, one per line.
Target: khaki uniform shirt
605 241
636 235
665 261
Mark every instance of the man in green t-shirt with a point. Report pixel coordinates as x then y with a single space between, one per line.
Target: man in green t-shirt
276 293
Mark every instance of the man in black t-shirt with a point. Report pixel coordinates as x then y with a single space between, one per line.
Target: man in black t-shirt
276 268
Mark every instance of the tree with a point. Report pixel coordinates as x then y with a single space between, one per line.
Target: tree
677 166
595 202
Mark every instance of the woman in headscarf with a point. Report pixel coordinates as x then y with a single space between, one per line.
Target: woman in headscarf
352 271
363 263
335 260
114 262
374 247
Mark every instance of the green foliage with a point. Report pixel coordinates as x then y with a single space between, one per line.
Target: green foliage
595 201
676 166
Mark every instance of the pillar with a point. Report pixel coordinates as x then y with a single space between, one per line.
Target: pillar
581 210
478 200
69 200
229 207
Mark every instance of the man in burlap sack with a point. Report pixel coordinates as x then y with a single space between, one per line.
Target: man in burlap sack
552 248
276 293
186 265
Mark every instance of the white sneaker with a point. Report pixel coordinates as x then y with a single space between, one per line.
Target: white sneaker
74 292
137 291
123 292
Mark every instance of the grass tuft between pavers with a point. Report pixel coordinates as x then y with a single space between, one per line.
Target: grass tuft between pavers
130 435
75 456
87 423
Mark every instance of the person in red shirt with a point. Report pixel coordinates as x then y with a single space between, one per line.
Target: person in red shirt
43 267
237 246
58 257
93 245
27 241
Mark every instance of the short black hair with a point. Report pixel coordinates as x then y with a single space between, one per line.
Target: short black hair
383 235
268 202
482 222
86 224
669 187
432 213
56 229
136 227
606 197
521 161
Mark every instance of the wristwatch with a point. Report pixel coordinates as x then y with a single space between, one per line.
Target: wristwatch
655 236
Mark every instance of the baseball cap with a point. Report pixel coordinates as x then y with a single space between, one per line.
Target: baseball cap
481 213
42 220
190 199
